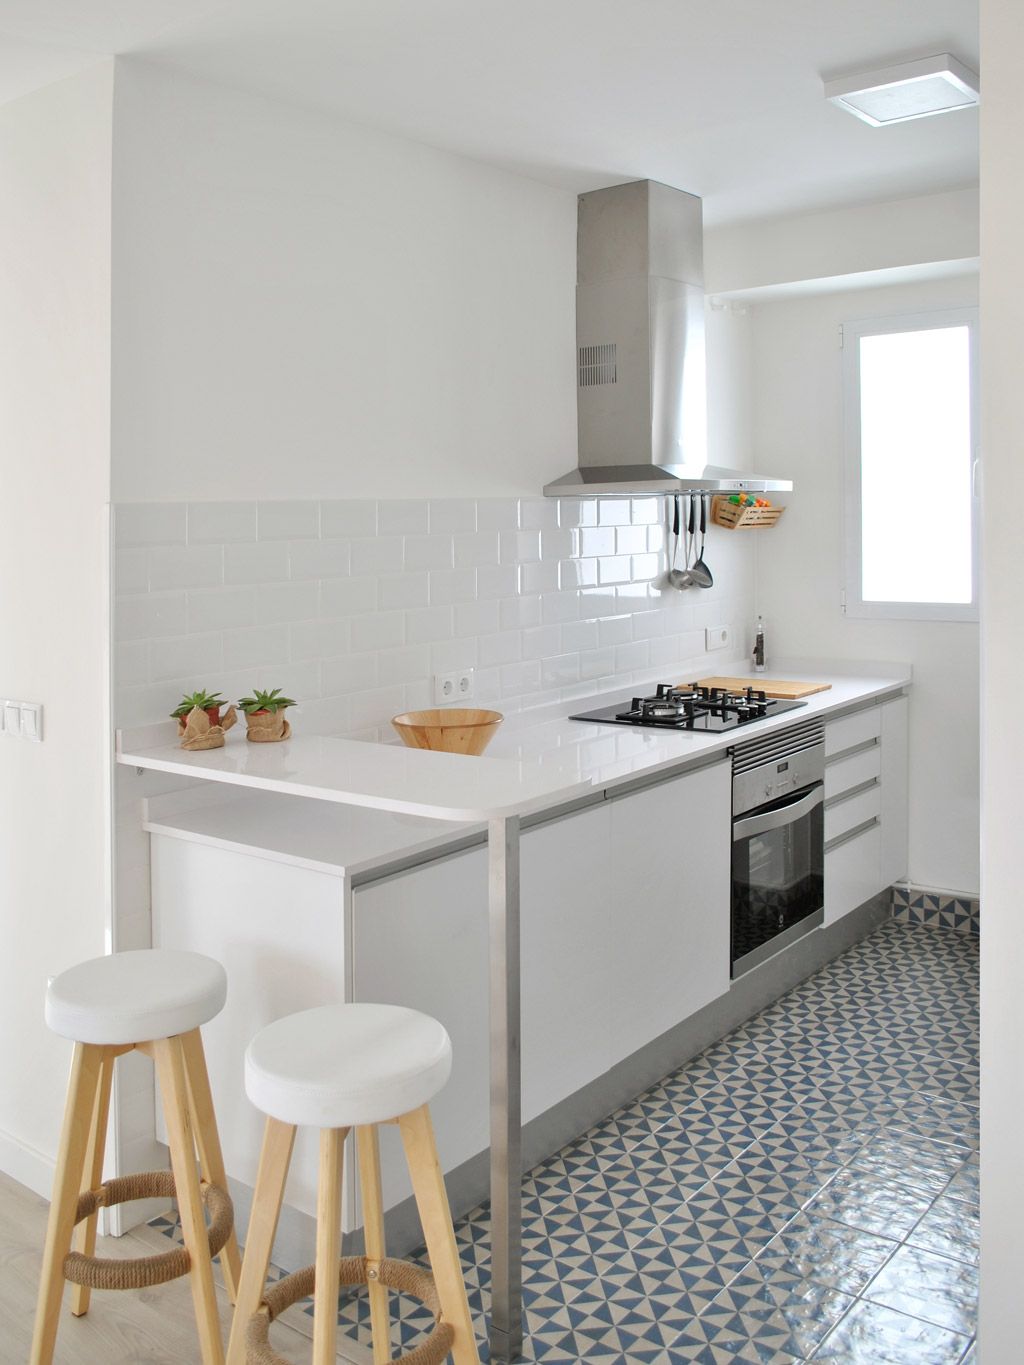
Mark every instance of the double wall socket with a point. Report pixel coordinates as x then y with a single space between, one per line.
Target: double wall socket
456 686
22 719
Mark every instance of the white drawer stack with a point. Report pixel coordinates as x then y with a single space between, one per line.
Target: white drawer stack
865 805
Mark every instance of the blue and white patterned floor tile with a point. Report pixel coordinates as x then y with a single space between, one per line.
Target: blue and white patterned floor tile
806 1189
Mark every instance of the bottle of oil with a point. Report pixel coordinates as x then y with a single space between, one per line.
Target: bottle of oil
759 647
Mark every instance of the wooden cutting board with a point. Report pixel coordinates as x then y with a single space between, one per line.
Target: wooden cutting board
770 686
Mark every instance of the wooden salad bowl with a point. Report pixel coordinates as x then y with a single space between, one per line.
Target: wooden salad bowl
455 730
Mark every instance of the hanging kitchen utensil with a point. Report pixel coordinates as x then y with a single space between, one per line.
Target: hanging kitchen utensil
700 574
677 578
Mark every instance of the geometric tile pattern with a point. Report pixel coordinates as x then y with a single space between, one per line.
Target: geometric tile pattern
936 910
804 1190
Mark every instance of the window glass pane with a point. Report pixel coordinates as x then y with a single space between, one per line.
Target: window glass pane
915 422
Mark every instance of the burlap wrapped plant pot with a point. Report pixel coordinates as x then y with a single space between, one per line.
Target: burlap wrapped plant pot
196 730
266 727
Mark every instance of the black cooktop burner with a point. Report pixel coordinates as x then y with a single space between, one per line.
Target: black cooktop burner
692 707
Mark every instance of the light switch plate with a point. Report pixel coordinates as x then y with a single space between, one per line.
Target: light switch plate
12 719
32 720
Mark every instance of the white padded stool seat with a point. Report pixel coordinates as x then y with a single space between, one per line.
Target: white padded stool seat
343 1066
136 996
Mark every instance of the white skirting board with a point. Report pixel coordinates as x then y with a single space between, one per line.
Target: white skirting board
28 1167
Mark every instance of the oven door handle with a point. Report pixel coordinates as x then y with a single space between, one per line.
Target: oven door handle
778 818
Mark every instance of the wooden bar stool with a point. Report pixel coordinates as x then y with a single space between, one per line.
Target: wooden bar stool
150 1001
335 1068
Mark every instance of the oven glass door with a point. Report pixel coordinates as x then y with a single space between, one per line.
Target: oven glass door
778 866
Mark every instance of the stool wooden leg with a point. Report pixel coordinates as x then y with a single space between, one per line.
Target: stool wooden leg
170 1064
373 1227
435 1215
71 1157
328 1245
275 1158
211 1159
84 1239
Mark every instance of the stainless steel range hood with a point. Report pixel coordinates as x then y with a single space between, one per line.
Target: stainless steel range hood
641 396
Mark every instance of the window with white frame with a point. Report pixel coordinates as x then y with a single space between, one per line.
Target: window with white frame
911 521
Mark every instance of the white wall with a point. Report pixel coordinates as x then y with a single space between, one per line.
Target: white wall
798 424
896 234
307 308
54 470
1002 943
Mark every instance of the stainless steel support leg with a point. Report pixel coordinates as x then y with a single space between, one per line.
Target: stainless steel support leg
506 1117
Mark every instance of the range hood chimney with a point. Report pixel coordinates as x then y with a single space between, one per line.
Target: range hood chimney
641 394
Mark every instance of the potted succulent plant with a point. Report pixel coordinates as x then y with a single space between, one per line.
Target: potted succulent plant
210 702
264 716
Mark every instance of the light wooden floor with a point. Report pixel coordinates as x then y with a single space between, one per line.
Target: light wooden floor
144 1327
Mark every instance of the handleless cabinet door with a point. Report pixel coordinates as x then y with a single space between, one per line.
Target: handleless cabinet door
670 883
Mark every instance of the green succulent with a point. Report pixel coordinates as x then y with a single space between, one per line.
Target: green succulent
265 701
203 700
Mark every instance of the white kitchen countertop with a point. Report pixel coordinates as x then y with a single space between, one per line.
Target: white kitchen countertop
374 803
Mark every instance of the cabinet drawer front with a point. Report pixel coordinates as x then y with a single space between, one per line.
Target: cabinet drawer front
849 731
854 771
852 874
854 811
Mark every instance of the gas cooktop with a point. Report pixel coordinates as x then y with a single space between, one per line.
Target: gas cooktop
692 707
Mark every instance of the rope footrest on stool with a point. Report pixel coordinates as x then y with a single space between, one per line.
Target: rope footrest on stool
398 1275
96 1272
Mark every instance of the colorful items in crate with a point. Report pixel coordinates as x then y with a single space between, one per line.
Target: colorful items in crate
748 500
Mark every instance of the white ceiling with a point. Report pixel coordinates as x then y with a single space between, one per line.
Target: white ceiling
719 97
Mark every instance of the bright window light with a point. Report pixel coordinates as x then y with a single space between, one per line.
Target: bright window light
910 472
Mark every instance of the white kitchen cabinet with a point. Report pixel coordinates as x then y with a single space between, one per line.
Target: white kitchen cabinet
866 820
669 882
895 790
625 932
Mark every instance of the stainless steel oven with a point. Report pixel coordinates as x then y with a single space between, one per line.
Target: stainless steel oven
778 842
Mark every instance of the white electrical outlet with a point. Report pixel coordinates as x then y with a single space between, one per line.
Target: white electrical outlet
716 637
453 687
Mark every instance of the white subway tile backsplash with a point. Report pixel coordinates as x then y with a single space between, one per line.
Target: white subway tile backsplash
473 550
503 648
220 608
347 596
353 605
403 590
447 515
131 571
382 630
355 518
155 614
538 514
597 540
252 646
252 563
403 518
452 585
519 547
426 625
519 611
614 511
186 657
316 558
378 555
497 514
477 618
286 602
288 520
429 552
352 673
185 566
150 523
216 523
540 577
497 580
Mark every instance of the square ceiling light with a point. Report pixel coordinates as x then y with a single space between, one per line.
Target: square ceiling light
895 94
